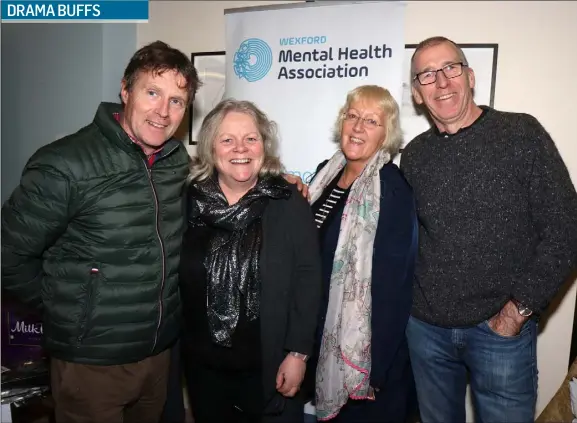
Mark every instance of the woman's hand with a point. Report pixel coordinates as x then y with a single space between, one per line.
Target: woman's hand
290 376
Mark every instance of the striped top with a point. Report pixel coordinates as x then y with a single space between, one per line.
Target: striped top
327 206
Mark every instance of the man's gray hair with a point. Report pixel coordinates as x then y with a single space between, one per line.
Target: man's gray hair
431 42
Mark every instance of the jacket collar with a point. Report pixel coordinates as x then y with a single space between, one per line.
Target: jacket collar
111 129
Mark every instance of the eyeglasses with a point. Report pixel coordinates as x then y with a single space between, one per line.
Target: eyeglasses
452 70
354 118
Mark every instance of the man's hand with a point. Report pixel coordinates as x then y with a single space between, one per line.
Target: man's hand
290 376
296 180
508 321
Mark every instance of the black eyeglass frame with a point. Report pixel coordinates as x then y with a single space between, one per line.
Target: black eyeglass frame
436 71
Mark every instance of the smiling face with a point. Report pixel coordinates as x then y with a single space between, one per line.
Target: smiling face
238 151
358 142
154 108
448 100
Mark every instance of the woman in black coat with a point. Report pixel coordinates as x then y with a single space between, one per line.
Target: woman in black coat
366 218
249 275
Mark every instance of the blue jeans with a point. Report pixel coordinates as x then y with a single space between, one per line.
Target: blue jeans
502 372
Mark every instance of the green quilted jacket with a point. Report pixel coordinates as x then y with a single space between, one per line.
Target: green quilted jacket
92 236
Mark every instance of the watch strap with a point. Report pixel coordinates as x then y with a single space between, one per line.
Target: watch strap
300 356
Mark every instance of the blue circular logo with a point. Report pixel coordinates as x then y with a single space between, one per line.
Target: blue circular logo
252 60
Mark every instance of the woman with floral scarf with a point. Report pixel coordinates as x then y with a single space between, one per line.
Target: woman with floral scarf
366 219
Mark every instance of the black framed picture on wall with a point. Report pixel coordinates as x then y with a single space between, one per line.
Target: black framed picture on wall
211 72
573 350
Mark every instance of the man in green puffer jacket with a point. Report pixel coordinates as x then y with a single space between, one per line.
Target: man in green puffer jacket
92 236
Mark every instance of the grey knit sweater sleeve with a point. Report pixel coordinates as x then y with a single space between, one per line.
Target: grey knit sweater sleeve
553 207
497 218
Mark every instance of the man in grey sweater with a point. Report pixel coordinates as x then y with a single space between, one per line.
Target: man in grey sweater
498 237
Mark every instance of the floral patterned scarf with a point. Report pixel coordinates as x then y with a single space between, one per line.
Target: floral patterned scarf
344 364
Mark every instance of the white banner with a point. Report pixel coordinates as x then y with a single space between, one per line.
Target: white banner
297 64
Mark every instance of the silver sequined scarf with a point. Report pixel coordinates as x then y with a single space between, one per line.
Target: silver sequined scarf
233 252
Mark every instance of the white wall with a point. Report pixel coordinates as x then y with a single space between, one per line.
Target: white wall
536 60
118 46
34 88
53 78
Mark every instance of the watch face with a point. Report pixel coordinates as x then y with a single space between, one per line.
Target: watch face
525 312
523 309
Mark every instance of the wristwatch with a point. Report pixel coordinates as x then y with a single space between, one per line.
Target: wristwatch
523 309
300 356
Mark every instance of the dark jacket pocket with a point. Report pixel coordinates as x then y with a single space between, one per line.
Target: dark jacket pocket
87 309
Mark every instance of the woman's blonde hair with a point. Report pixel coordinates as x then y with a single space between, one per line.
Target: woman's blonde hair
385 101
202 166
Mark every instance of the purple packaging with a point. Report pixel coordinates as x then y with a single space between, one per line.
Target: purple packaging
21 334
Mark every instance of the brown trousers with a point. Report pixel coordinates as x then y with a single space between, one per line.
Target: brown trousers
128 393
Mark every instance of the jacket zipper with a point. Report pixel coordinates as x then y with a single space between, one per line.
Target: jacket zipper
156 216
157 227
89 297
